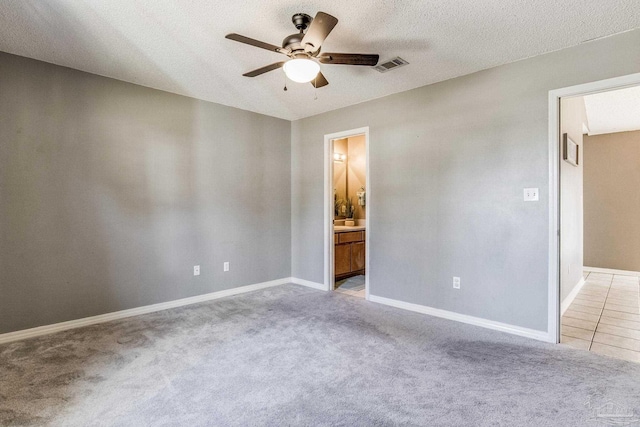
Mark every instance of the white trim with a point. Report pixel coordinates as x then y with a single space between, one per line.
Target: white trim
450 315
329 282
78 323
612 271
367 241
553 302
553 328
329 279
572 295
309 284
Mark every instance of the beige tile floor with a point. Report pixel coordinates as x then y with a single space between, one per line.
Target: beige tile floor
605 317
353 286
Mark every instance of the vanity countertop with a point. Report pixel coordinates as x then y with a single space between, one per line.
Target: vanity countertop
345 228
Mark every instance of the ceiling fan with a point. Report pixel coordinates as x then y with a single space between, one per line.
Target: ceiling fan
303 50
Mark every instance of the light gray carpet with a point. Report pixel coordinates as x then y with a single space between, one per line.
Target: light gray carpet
295 356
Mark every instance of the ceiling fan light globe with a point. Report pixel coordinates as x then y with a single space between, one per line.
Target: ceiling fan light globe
301 70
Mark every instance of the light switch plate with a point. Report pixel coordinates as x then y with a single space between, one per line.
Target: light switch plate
531 195
225 266
196 270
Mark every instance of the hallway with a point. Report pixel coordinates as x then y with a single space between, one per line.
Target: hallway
605 317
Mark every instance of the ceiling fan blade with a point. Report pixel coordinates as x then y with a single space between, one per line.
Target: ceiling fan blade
319 29
256 43
264 69
319 81
348 58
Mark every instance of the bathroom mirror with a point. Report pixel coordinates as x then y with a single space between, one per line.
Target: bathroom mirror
349 175
340 160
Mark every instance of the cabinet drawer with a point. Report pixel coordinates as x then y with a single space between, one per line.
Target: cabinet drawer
351 236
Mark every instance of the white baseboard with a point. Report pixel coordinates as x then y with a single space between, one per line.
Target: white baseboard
569 299
612 271
72 324
477 321
308 283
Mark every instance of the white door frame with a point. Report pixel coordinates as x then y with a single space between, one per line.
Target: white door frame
329 248
553 331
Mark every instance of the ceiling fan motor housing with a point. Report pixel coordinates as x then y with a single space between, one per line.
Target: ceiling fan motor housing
294 44
293 41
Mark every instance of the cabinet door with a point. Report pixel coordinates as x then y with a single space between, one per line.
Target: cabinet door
343 259
357 256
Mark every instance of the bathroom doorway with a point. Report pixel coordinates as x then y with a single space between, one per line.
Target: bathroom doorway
347 212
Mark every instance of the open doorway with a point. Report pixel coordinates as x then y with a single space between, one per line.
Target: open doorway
599 229
347 212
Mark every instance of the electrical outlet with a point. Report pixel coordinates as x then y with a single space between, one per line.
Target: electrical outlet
456 283
226 266
196 270
531 195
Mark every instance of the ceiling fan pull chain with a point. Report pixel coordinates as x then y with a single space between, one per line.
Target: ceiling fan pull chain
315 88
285 82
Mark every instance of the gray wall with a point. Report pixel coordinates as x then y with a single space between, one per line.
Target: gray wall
573 117
612 201
448 163
110 193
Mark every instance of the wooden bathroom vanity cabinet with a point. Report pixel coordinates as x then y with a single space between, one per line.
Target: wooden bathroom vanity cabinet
349 253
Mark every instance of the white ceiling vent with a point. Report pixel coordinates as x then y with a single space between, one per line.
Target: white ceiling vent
390 65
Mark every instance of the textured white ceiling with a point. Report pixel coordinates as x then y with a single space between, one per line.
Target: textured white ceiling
613 111
179 45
